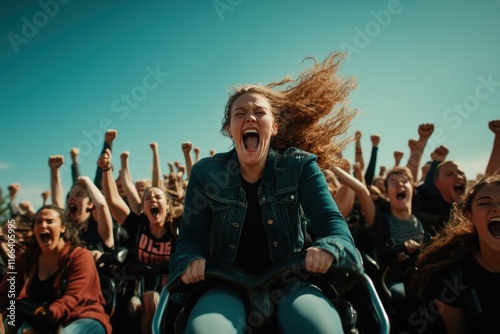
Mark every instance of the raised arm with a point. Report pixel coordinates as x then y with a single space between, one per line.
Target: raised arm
196 151
186 150
494 162
438 155
398 155
424 132
45 197
157 180
133 198
358 157
362 193
109 136
370 170
345 195
13 207
75 168
119 209
104 220
55 162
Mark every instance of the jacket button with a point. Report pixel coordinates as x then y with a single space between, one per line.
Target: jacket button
276 243
270 221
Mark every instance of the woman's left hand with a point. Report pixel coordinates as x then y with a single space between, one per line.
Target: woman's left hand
318 260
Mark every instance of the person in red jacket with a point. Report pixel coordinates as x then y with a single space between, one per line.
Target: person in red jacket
59 274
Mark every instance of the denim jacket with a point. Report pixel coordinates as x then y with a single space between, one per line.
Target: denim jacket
292 185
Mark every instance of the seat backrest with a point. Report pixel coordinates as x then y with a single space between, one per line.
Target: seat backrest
108 288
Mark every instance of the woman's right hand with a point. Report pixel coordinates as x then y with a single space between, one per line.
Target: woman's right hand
195 272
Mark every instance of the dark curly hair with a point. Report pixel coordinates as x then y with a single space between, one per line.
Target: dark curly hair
70 233
456 240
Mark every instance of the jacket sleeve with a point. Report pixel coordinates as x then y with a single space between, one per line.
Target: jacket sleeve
82 282
327 223
192 242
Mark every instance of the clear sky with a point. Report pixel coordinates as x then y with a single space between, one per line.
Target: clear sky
160 71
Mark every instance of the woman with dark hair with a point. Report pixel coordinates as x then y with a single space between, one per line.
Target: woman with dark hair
150 232
458 273
61 275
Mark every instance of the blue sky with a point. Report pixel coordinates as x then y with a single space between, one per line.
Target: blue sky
160 71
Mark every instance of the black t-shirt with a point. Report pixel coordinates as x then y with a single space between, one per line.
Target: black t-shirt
253 254
92 239
475 280
42 291
433 205
148 249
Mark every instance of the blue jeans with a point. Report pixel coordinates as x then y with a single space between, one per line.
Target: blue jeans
84 326
80 326
302 308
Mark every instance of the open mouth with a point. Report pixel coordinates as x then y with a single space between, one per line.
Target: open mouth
251 139
494 227
401 195
73 209
45 237
459 189
154 210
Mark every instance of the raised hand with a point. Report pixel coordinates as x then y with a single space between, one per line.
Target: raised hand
45 195
104 161
357 135
56 161
124 156
397 157
425 130
187 146
110 136
440 153
375 140
74 154
494 126
14 188
413 144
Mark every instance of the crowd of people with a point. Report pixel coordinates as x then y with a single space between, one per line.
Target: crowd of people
284 187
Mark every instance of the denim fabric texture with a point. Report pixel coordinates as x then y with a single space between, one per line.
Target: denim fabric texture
292 186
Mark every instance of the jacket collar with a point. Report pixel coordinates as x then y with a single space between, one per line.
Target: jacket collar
233 173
